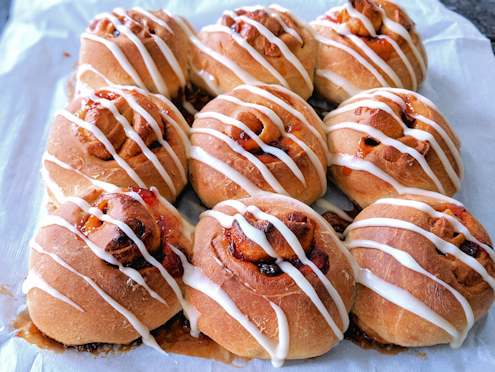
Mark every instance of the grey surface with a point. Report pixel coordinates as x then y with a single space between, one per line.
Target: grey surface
480 12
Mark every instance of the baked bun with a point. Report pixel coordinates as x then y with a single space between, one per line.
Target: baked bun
147 49
427 271
387 141
121 137
257 138
103 271
252 45
366 44
271 279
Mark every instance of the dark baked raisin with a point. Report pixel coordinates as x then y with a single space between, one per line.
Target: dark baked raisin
269 269
470 248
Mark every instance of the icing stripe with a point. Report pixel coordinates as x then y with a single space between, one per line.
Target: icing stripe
259 237
328 206
197 153
456 224
408 261
332 43
339 81
350 161
141 329
119 56
278 153
297 248
383 138
34 280
258 57
286 52
98 134
416 133
442 245
195 278
262 168
145 54
404 299
319 167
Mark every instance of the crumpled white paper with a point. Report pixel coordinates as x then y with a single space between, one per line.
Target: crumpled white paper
39 50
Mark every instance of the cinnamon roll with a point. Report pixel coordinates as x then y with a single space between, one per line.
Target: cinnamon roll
147 49
427 270
252 45
117 137
254 139
270 279
102 269
387 141
366 44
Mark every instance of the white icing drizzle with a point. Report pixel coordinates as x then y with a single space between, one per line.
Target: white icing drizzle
383 138
404 299
197 153
401 30
194 277
145 55
133 135
34 280
119 56
343 29
332 43
243 75
408 261
394 95
284 49
164 48
339 81
419 134
259 237
257 56
442 245
98 134
287 29
328 206
276 100
278 153
98 251
426 208
319 167
158 133
140 328
350 161
262 168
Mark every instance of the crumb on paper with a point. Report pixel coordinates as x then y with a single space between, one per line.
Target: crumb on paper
67 54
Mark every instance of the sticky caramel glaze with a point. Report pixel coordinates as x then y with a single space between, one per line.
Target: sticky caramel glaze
174 337
358 337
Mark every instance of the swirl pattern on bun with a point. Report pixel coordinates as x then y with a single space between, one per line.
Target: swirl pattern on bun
147 49
102 269
269 257
366 44
117 137
254 45
254 139
427 271
386 141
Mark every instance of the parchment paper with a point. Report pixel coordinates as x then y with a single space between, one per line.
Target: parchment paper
39 50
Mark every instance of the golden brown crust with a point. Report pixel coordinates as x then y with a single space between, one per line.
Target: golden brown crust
212 186
364 187
224 79
348 68
100 322
96 55
81 150
250 283
389 323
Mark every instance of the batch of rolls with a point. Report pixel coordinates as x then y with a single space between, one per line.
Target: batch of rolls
262 274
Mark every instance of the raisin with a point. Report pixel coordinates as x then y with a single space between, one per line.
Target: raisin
269 269
470 248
